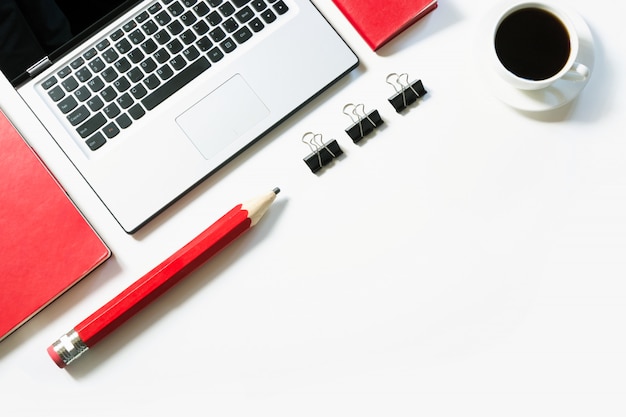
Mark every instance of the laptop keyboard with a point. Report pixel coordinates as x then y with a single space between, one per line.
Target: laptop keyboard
150 57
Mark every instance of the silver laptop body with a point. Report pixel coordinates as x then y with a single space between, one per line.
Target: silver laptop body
141 144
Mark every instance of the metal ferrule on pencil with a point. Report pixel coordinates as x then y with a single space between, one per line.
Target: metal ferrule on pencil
69 347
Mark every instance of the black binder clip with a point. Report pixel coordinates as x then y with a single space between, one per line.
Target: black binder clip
362 123
322 153
406 93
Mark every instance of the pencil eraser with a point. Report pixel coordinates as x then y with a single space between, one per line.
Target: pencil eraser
55 357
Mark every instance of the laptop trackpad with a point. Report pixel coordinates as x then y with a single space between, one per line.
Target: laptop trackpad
222 117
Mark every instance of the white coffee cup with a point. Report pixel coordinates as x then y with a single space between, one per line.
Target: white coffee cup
534 45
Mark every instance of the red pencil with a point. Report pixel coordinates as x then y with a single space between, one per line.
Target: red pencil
110 316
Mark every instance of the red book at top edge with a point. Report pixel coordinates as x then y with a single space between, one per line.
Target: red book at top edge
378 21
46 245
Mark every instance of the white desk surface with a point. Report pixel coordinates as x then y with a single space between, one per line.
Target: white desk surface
468 259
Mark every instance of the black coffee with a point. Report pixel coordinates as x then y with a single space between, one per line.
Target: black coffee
532 43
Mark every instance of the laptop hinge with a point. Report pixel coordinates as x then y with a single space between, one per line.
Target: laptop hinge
39 67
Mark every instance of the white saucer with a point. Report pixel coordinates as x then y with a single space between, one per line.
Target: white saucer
552 97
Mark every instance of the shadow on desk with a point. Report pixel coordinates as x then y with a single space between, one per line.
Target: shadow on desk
170 302
444 16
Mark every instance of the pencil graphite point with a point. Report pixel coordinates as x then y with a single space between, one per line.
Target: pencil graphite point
276 190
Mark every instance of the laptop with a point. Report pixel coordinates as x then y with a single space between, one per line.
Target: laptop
148 98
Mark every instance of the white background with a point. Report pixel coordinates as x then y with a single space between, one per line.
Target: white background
467 259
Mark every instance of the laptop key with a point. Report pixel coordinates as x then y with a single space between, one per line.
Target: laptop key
200 28
122 65
188 18
240 3
148 65
215 54
178 62
77 62
191 53
108 93
259 5
123 46
138 91
175 46
256 25
152 82
176 9
217 34
149 46
143 16
165 72
64 72
96 84
244 14
175 27
122 84
124 121
201 9
129 26
136 112
176 83
117 35
110 55
91 126
109 74
96 141
78 116
137 37
154 8
149 27
242 35
70 84
268 16
136 55
204 44
112 110
49 82
163 18
103 44
83 74
214 18
227 9
97 65
95 103
67 105
187 37
280 7
111 130
230 25
161 56
82 93
135 75
125 101
228 45
162 37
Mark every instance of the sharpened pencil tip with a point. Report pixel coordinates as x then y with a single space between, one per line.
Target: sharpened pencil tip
276 190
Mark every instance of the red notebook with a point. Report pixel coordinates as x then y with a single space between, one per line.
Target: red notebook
378 21
46 245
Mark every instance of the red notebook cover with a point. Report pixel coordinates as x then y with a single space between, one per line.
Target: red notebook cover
46 245
378 21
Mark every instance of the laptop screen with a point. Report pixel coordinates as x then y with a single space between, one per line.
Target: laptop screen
30 30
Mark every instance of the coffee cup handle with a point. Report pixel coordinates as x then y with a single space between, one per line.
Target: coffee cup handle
578 72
